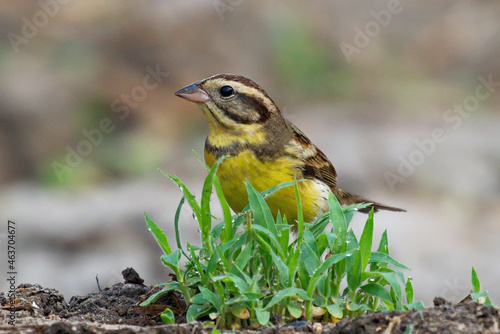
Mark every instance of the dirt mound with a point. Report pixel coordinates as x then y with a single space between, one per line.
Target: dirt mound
116 310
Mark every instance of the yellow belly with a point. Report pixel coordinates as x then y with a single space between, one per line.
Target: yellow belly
263 175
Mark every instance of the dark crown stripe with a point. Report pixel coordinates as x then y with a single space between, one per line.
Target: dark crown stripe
257 104
237 78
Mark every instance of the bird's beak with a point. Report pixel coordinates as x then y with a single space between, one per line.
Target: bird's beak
193 93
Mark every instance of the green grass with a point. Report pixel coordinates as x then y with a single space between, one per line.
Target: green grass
251 270
477 295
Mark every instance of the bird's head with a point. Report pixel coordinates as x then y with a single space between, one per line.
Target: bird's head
231 103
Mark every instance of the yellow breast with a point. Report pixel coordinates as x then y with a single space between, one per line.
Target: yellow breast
263 175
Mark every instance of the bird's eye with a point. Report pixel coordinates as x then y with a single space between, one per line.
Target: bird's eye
226 91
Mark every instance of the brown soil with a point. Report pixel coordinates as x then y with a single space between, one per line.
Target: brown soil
116 310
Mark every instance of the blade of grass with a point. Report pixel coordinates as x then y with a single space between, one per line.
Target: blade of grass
272 190
285 293
319 273
238 282
383 246
265 233
300 216
172 260
211 297
283 233
172 285
377 290
194 258
409 291
168 317
227 232
176 225
475 281
206 216
323 270
353 264
225 207
365 242
261 213
159 235
377 257
339 226
242 259
390 277
187 194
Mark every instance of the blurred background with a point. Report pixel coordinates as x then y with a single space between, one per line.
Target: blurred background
403 97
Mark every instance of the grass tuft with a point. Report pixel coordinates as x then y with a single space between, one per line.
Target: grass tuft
250 270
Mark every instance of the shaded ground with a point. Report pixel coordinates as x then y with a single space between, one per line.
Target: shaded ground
116 310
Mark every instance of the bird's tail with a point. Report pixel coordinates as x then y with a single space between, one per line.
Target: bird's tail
345 198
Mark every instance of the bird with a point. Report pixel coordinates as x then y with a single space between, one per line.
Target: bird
264 149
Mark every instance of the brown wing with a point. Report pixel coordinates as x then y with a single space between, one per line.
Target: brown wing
322 169
316 164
